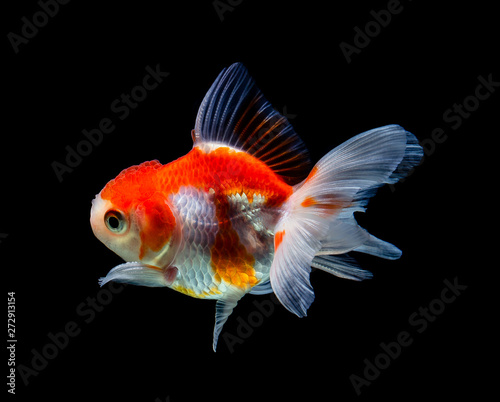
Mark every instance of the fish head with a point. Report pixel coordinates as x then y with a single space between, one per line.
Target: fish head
135 220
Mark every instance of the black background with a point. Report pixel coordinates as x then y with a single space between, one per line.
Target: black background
153 344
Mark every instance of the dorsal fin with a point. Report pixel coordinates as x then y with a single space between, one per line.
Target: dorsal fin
234 112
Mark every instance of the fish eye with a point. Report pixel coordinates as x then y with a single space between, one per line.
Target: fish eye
115 221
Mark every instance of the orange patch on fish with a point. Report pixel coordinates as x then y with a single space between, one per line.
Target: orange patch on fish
327 204
134 184
229 258
224 171
221 169
312 173
308 202
278 238
157 224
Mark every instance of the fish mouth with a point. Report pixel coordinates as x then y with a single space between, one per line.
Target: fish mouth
138 273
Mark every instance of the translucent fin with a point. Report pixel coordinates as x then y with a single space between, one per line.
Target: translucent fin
318 217
297 240
342 266
412 156
262 289
373 158
379 248
291 268
223 309
234 112
368 160
137 273
343 235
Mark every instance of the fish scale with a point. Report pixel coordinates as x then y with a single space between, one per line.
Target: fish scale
220 220
200 226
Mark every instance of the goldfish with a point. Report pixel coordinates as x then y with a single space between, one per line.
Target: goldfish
246 211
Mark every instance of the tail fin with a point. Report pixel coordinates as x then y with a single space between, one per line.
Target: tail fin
319 217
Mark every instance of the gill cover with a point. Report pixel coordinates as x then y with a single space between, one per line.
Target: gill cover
158 231
153 222
160 239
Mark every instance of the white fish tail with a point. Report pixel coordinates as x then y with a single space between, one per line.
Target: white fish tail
318 226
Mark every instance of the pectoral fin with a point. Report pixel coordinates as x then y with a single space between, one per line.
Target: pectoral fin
137 273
